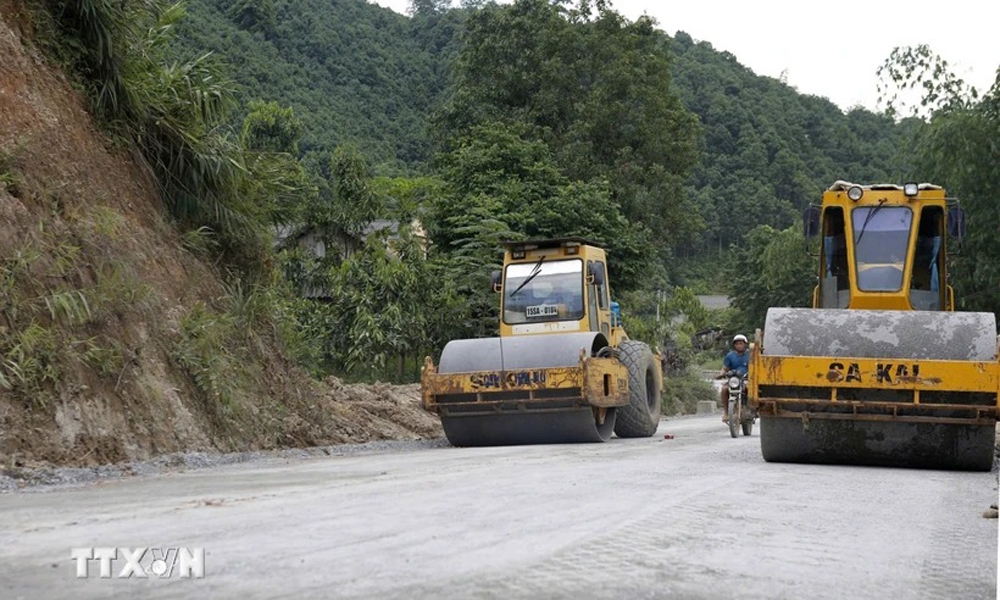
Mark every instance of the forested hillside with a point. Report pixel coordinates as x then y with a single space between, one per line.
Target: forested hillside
533 118
148 157
353 72
358 73
769 150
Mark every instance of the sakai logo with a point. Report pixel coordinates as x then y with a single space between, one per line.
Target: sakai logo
141 563
884 372
508 378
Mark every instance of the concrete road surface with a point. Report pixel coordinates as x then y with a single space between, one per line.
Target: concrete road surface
698 516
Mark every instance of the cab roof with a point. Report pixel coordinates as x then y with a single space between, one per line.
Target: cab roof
549 243
842 186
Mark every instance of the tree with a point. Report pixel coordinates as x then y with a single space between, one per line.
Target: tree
281 185
356 204
428 7
408 198
270 128
919 71
956 146
379 307
254 15
494 172
770 268
685 302
466 266
591 88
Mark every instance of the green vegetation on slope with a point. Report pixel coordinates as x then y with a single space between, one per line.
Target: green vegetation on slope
353 72
358 74
534 118
768 150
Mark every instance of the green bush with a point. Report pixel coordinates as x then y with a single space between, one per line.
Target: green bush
682 393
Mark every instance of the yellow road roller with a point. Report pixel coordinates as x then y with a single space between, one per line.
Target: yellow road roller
879 371
562 370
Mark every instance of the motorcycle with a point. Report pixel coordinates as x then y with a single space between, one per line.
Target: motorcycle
741 414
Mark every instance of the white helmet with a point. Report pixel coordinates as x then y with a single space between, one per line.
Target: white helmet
739 337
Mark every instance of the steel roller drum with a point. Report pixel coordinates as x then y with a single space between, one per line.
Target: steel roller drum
898 334
878 443
915 335
516 353
510 429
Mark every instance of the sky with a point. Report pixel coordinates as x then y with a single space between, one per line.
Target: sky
830 49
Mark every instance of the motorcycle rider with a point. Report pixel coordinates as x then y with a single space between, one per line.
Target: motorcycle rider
738 359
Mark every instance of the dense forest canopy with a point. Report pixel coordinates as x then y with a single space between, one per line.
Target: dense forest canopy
489 122
360 74
347 174
769 150
354 73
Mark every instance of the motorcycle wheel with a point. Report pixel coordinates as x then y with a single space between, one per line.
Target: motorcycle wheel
734 418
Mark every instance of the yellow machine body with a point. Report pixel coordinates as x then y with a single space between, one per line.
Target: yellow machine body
556 373
879 371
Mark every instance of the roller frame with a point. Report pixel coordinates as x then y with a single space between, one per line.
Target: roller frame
601 382
486 396
829 414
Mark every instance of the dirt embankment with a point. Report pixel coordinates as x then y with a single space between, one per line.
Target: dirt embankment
95 287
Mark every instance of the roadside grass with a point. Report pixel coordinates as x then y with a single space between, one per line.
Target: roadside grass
206 351
55 298
11 179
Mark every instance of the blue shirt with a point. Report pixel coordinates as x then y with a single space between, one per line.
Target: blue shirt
737 362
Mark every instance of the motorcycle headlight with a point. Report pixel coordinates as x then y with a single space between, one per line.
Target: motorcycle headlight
734 382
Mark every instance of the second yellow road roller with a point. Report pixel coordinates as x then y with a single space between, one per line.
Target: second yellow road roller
561 370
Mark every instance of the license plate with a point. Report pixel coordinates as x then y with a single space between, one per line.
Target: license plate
542 310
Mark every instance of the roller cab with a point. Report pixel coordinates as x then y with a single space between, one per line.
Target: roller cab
880 371
562 369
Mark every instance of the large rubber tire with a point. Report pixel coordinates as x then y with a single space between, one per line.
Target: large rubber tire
641 416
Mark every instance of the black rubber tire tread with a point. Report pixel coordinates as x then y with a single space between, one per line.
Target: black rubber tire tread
637 419
748 428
